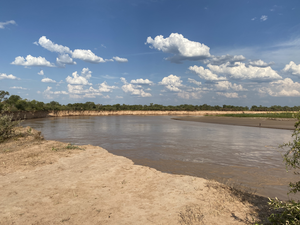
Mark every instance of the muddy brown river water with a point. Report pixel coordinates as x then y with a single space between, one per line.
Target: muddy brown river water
243 155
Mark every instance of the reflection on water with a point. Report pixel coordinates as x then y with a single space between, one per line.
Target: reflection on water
246 155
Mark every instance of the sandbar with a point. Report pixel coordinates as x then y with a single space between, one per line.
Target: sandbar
278 123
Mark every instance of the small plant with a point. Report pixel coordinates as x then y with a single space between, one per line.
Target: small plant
54 149
71 146
29 131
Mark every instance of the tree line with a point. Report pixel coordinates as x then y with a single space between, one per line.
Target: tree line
16 103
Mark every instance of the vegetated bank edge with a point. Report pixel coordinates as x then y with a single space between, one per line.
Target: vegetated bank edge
24 115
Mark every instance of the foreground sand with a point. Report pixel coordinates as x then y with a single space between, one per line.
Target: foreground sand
46 182
276 123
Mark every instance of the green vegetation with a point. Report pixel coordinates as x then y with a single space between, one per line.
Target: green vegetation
16 103
7 126
268 115
289 212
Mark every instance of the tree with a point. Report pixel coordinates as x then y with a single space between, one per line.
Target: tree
2 95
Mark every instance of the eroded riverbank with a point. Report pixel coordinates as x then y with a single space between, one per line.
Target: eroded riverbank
45 182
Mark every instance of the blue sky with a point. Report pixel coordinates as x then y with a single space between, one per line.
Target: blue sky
166 52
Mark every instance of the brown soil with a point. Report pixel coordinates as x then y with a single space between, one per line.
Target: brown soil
49 182
277 123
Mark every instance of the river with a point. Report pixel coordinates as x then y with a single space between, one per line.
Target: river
236 154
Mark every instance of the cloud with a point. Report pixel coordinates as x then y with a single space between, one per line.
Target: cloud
226 85
20 88
87 56
263 18
3 24
254 18
229 95
240 71
187 95
10 76
182 48
80 80
134 89
292 68
172 82
141 81
218 60
282 88
260 63
64 59
104 87
205 74
41 72
121 60
48 80
194 81
119 96
32 61
49 45
77 79
109 77
60 93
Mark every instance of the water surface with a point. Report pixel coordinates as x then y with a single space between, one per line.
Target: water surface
244 155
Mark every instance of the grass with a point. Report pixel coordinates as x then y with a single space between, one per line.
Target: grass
266 115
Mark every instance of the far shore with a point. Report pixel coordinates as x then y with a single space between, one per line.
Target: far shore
64 113
274 123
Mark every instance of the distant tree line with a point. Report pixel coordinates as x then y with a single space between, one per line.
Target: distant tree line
16 103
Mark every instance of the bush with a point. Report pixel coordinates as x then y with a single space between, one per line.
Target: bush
289 212
7 126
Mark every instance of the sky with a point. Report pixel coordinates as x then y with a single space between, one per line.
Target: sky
169 52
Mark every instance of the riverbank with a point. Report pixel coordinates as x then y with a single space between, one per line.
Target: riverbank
275 123
43 114
50 182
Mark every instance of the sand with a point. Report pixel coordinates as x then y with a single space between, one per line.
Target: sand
47 182
277 123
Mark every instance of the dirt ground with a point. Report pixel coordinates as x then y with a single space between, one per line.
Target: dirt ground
49 182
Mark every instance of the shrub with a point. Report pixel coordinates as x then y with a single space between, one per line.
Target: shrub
289 212
7 126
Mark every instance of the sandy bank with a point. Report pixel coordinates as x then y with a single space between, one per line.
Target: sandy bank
47 182
44 114
251 122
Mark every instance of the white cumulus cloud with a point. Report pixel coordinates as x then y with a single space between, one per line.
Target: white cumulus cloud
260 63
104 87
3 24
49 45
205 74
41 72
292 68
10 76
241 71
193 81
48 80
181 47
32 61
226 85
87 55
121 60
134 89
280 88
64 59
141 81
172 82
80 80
